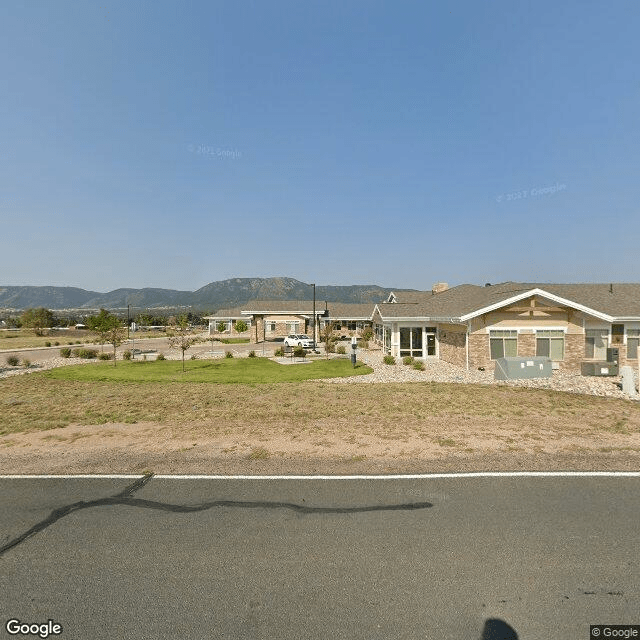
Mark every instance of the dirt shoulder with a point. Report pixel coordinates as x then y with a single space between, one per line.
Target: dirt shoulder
126 448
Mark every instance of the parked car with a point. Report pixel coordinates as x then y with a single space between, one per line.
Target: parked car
298 340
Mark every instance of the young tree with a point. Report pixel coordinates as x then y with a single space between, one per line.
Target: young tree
241 326
221 327
101 325
115 334
37 319
329 339
183 337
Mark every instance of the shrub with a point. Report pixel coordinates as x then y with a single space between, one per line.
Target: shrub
389 360
341 349
407 360
299 352
65 352
12 361
363 344
47 344
228 354
56 343
85 353
161 356
69 342
26 363
105 356
367 334
252 354
126 355
78 342
241 326
194 356
279 352
418 365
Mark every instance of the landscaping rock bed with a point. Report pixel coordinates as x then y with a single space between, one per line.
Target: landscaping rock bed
439 371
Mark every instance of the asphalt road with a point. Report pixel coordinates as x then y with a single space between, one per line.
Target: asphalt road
230 558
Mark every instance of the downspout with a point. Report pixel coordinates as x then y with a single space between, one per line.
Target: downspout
467 344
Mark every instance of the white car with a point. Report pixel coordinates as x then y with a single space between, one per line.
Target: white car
298 340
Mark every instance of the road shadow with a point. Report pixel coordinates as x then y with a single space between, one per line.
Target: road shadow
496 629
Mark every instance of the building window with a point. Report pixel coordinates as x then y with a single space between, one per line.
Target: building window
633 342
411 342
503 343
617 334
351 326
387 339
595 344
550 343
270 326
293 326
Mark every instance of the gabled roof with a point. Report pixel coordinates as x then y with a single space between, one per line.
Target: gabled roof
461 303
337 310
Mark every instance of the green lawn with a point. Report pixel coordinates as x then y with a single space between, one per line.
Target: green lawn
228 370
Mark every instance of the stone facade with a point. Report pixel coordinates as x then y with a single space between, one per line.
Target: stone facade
479 355
573 351
452 345
260 332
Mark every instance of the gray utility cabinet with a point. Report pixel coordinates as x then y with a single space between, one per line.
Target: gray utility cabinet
600 368
515 367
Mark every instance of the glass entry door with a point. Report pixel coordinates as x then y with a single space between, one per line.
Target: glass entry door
431 344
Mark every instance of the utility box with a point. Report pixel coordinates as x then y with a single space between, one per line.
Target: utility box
628 381
613 355
518 367
599 368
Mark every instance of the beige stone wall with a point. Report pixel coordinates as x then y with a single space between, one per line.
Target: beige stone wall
573 351
479 355
452 344
526 344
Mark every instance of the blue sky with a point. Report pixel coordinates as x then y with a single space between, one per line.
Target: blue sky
171 144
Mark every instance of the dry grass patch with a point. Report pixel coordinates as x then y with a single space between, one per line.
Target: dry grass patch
439 418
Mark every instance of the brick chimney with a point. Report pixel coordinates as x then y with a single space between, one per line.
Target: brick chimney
439 287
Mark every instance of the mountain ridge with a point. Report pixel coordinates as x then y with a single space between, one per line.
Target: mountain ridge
213 296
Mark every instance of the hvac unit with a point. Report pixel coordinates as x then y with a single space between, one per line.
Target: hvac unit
514 368
599 368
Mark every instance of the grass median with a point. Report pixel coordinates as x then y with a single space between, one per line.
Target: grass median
219 371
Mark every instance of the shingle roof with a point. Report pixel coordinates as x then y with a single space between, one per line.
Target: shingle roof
617 300
300 307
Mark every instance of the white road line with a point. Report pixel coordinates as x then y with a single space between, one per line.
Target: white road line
424 476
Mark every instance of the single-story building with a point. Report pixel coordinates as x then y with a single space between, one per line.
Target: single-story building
273 319
471 326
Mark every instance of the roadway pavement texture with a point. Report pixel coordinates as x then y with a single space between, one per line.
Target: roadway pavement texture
434 557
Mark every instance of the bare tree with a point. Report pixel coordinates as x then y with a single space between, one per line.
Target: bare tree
182 337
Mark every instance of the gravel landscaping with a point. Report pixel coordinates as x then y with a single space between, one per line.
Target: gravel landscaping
439 371
435 371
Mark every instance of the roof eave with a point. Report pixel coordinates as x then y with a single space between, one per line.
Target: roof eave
544 294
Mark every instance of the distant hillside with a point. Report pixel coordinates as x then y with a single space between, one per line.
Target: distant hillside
213 296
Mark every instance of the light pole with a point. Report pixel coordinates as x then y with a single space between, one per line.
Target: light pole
314 317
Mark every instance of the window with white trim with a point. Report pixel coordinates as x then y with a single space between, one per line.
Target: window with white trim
595 344
270 325
550 343
633 343
503 342
293 326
